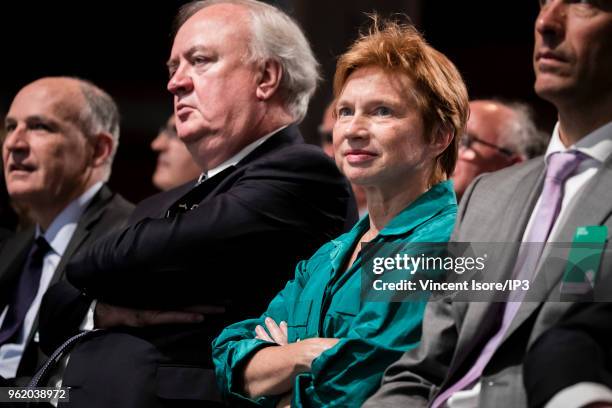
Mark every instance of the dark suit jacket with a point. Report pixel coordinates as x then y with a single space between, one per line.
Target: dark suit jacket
105 212
4 234
253 222
495 208
577 350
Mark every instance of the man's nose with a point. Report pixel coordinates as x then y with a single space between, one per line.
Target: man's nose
551 19
159 143
180 83
16 139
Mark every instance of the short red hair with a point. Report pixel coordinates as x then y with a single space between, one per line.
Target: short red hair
440 94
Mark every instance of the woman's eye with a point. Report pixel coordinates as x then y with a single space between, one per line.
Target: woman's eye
382 111
344 112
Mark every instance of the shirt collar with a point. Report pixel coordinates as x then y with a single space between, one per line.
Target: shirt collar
425 207
235 159
62 227
596 145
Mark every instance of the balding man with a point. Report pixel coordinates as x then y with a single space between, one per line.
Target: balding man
499 134
61 136
241 73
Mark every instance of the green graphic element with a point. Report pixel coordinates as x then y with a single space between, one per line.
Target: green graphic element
584 259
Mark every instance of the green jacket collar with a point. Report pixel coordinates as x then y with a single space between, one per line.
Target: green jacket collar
425 207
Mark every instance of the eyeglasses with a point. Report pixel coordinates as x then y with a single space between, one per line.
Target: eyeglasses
468 140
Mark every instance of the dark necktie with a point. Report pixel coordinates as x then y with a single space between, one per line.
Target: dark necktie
25 292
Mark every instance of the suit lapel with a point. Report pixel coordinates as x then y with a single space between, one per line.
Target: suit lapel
197 194
593 210
194 195
481 319
12 258
285 137
90 216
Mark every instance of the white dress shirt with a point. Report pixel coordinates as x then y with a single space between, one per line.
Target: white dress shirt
58 236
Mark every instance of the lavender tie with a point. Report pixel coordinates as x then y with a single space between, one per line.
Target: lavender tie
560 166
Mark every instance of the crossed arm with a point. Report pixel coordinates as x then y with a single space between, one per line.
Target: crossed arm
272 370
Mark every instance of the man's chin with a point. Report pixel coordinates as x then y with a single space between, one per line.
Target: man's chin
22 195
190 136
191 130
549 87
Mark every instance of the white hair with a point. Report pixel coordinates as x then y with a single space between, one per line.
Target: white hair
275 36
99 114
520 133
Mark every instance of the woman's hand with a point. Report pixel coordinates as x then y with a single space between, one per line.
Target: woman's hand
305 351
276 333
272 370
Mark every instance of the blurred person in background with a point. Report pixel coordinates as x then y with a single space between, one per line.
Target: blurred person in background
499 134
175 165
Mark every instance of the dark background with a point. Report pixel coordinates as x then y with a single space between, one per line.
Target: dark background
123 47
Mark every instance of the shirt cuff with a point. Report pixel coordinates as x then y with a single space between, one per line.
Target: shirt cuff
579 395
88 322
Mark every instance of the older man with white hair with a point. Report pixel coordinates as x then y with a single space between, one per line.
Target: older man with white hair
242 74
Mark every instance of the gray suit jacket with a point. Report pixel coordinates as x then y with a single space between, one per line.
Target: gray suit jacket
104 213
496 208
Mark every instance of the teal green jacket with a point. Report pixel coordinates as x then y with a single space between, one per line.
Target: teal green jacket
323 300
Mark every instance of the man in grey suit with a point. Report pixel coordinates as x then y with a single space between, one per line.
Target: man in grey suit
471 354
61 136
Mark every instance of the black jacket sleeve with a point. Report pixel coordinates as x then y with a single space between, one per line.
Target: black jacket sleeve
271 214
577 350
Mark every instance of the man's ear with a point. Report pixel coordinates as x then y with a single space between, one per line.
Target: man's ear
443 136
102 144
269 80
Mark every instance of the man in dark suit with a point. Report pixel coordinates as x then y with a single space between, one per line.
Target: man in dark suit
223 245
471 354
571 364
61 136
